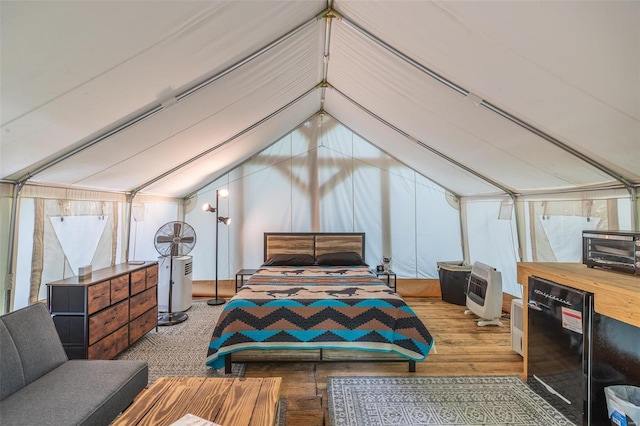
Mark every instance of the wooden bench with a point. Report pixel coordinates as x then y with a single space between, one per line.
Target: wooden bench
226 401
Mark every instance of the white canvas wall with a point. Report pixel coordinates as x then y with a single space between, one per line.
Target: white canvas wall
147 218
493 241
323 177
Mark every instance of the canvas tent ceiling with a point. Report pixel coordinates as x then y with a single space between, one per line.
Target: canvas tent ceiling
117 78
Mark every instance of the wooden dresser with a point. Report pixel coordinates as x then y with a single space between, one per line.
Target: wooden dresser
100 316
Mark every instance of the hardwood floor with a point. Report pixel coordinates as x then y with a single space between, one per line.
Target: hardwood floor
462 349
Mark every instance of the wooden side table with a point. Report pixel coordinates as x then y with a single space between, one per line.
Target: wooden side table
388 276
227 401
241 274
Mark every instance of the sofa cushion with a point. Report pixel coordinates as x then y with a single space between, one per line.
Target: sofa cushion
79 392
36 340
10 364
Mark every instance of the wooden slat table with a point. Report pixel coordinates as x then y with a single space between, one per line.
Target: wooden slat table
226 401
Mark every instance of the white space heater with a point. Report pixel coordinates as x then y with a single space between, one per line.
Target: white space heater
182 283
517 329
484 294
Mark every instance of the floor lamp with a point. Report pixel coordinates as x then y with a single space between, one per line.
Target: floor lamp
208 208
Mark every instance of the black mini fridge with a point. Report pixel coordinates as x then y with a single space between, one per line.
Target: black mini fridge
559 347
574 353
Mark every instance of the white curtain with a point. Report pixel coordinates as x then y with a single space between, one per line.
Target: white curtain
492 240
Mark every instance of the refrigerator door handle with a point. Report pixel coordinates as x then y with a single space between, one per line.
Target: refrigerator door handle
552 390
533 305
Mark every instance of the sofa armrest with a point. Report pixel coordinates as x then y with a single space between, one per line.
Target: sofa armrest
32 333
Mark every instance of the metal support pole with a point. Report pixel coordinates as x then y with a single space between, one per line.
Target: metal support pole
217 301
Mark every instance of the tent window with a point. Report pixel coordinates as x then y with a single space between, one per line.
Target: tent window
67 234
555 227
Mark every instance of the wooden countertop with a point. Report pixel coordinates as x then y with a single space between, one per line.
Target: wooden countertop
616 294
103 274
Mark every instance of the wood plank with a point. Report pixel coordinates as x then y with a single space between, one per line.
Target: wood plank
145 402
111 345
252 355
102 274
152 276
268 397
138 281
211 396
119 288
237 408
99 297
227 401
339 243
307 418
175 402
108 321
143 324
142 302
288 244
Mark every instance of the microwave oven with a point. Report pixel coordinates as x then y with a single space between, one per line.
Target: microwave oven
616 250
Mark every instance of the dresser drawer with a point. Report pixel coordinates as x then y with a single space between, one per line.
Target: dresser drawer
138 281
111 345
99 296
108 321
152 276
142 302
119 288
96 316
143 324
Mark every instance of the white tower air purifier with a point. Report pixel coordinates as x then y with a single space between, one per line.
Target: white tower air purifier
182 283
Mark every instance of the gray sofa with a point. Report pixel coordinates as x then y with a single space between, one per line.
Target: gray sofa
39 385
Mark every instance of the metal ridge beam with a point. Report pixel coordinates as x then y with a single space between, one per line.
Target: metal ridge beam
157 108
429 148
215 147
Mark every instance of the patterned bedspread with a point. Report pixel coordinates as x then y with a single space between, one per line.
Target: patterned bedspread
316 307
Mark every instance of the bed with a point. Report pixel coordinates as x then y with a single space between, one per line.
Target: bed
314 299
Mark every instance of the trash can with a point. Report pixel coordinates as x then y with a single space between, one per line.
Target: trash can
623 405
453 281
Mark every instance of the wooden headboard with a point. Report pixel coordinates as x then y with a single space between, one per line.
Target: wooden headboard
313 243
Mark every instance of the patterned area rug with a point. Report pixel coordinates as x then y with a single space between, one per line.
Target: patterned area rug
409 401
181 349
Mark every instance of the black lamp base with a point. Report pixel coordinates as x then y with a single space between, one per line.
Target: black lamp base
172 318
216 302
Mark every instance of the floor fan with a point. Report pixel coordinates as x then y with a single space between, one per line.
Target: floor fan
171 240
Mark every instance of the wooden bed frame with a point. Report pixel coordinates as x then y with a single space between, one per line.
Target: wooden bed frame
313 243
